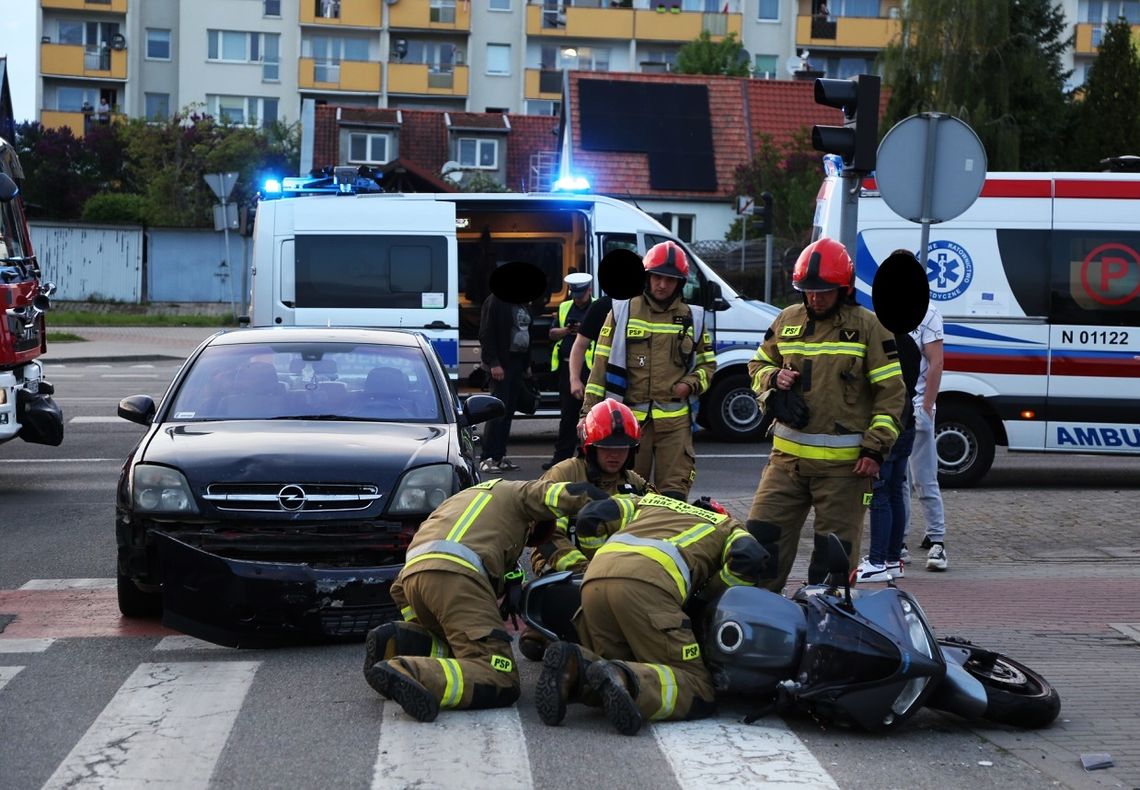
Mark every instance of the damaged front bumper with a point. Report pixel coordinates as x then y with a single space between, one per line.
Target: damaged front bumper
251 603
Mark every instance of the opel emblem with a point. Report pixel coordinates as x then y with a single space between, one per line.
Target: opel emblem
291 497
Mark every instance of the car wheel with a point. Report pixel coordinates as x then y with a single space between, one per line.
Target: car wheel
965 446
133 602
732 412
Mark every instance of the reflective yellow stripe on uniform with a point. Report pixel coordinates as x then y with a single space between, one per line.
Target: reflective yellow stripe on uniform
727 576
814 452
596 389
453 688
439 555
591 542
886 422
890 370
668 691
467 518
613 546
408 613
551 498
569 560
691 535
822 349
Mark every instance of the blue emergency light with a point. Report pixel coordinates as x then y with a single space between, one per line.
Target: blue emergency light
570 184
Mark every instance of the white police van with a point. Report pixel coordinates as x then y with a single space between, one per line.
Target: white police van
338 254
1038 284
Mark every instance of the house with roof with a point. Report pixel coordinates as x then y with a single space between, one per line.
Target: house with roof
669 143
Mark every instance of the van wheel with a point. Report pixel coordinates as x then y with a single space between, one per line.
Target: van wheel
732 412
965 446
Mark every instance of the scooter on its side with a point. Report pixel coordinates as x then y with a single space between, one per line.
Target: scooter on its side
867 659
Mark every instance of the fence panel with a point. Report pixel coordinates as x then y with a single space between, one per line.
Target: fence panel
90 262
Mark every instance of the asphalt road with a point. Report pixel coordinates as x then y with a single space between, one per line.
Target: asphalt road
78 701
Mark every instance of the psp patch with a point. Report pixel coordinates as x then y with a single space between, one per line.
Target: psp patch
791 331
502 664
690 652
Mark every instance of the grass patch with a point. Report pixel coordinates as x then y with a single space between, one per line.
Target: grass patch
63 337
90 318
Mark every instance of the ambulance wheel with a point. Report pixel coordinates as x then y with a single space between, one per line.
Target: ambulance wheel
133 602
965 446
732 412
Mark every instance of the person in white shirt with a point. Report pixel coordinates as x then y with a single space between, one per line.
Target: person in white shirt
924 456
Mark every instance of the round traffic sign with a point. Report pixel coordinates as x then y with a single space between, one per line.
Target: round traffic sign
944 189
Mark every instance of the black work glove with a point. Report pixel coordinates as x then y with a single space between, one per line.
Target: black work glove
787 406
589 489
511 603
747 559
593 517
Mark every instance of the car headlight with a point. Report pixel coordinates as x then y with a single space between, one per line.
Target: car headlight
160 489
422 490
919 639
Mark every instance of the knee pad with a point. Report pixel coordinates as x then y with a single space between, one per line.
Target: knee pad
701 709
484 695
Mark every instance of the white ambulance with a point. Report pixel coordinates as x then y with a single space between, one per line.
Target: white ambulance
1039 286
415 261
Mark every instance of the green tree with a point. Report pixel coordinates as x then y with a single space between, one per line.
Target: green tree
792 173
1108 117
478 181
705 56
996 64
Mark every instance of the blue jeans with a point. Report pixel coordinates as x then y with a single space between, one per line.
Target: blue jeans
924 476
888 503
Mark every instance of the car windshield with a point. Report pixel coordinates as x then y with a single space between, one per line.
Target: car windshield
327 381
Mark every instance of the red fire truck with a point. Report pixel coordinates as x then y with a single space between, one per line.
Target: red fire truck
26 406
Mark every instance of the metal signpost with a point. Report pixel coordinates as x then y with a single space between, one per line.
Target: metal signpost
225 217
745 205
952 163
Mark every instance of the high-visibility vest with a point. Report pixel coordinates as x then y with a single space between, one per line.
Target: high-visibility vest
563 311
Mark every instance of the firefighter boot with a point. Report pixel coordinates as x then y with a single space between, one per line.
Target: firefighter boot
409 693
532 644
618 690
379 645
563 668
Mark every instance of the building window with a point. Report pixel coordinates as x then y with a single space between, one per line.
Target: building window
272 8
442 11
69 99
543 107
684 226
328 9
765 67
568 56
68 32
499 5
237 46
157 44
769 10
368 149
479 154
157 106
270 59
243 110
499 59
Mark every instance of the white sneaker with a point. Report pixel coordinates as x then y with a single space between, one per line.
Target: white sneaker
869 572
488 465
895 568
904 555
936 558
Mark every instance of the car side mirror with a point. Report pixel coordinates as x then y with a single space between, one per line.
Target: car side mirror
480 408
714 298
137 408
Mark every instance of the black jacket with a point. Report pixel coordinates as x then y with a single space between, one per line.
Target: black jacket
496 324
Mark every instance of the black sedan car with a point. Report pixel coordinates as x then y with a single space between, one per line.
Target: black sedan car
281 479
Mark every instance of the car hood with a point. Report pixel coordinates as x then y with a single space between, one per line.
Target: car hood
297 450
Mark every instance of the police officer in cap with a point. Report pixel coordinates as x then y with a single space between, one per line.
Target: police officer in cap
563 332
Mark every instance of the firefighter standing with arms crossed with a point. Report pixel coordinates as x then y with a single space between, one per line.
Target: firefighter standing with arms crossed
828 372
452 650
655 355
639 656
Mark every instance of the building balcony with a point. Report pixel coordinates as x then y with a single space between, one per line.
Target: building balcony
422 16
77 122
355 76
1089 37
340 13
668 24
544 84
75 60
846 32
580 22
96 6
425 80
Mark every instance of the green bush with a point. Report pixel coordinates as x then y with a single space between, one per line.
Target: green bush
115 207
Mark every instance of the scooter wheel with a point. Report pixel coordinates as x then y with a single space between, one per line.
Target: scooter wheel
1016 695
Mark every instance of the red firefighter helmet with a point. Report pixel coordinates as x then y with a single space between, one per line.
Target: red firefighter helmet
611 424
668 260
823 265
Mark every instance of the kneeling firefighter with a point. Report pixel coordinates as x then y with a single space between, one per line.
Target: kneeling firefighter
451 650
609 443
639 656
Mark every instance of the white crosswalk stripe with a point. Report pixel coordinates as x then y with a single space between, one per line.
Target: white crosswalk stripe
166 726
6 675
36 645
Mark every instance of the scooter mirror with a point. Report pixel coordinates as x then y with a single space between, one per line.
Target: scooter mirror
836 556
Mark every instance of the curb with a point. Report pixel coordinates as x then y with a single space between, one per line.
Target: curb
124 358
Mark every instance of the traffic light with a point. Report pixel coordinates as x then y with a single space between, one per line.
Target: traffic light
762 214
858 139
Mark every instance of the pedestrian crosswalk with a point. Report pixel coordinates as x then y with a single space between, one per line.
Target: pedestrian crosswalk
185 714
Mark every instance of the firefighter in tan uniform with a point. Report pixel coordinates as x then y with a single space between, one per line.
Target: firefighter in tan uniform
655 355
610 444
452 650
829 374
639 656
